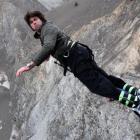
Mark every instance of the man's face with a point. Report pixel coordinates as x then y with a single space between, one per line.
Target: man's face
35 23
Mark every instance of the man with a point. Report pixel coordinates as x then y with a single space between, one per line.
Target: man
80 60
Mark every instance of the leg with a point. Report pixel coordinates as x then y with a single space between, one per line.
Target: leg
100 85
119 83
86 70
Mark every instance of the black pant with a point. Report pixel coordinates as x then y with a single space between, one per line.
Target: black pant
83 66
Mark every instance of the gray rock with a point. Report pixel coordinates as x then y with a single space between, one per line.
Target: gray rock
48 106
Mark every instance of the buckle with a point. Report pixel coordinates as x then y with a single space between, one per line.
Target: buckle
70 43
66 54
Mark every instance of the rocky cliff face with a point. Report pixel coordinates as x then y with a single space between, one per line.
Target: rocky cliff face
53 3
48 106
115 40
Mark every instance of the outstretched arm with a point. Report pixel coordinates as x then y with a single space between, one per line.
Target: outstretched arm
49 39
26 68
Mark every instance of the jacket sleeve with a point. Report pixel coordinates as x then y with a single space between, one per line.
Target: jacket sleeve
49 39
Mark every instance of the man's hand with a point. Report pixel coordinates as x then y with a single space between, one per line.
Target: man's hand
21 70
28 67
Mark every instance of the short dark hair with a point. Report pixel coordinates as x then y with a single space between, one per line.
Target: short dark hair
34 14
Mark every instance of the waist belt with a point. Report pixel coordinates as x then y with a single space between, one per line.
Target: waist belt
70 45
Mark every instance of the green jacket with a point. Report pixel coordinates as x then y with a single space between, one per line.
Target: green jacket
53 40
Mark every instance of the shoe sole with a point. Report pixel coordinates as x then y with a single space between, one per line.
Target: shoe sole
137 114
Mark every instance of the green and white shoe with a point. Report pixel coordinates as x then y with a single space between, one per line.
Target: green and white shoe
138 93
137 109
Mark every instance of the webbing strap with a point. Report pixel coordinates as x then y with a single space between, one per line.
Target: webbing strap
121 96
124 87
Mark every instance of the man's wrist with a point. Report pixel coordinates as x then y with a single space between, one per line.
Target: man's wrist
31 65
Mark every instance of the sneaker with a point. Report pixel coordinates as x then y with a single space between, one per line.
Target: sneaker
138 93
137 110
